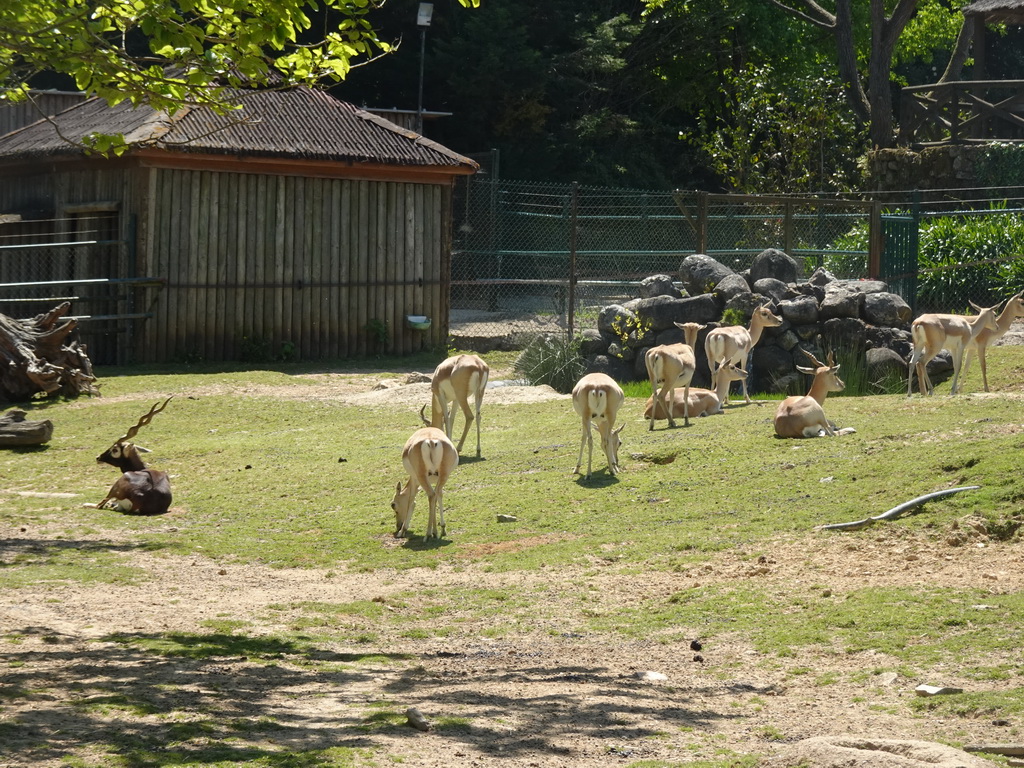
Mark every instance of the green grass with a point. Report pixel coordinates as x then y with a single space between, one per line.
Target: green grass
291 483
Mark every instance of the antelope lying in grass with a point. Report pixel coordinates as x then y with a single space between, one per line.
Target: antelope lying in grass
733 343
597 399
933 333
139 490
1014 308
428 455
804 416
453 382
670 366
702 402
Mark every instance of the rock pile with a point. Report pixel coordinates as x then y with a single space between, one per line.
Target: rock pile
857 319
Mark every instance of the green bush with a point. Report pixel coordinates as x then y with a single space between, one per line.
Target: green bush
961 258
552 360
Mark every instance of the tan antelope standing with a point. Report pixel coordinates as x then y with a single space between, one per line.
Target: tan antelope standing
596 398
1014 308
428 456
733 343
804 415
454 381
139 490
702 402
933 333
670 366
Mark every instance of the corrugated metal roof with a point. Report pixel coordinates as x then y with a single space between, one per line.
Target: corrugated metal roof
296 123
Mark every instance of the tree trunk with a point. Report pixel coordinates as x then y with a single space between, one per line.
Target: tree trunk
14 430
36 357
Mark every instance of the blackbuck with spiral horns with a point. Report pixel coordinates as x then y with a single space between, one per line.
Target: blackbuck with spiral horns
139 491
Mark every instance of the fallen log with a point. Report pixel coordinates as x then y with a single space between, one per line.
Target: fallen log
895 512
37 356
15 430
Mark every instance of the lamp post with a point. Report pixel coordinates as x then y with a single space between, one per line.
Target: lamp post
423 15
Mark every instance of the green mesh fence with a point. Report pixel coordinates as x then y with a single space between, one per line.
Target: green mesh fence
531 258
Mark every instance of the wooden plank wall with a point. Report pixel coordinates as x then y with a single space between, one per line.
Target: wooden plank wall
261 262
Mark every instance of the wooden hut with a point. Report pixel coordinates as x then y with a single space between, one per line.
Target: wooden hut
299 226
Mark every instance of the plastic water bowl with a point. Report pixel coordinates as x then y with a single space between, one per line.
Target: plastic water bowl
418 322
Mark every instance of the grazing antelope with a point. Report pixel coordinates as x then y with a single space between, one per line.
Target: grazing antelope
669 366
702 402
453 382
932 333
428 454
1014 308
804 416
139 490
733 343
597 399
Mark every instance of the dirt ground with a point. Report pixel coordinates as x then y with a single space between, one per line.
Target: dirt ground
546 698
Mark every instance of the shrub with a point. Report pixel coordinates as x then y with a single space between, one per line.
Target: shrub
552 360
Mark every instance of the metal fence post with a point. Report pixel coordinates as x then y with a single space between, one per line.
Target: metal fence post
574 193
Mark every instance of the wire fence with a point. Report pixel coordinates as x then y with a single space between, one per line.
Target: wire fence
530 258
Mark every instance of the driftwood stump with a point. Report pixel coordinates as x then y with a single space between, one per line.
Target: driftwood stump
14 430
37 357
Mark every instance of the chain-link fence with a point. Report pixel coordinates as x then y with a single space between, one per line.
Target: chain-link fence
532 257
45 262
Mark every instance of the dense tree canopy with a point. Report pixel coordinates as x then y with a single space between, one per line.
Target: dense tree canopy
751 95
175 53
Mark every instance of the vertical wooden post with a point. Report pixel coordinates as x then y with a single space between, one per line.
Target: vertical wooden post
875 240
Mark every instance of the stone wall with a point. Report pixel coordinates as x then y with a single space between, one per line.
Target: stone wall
820 314
945 167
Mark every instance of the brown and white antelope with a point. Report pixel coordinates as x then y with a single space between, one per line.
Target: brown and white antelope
596 398
933 333
670 366
804 415
732 344
428 456
1014 308
702 402
139 490
453 382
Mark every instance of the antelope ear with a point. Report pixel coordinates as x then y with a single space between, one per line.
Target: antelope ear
979 309
805 369
142 449
834 368
616 431
398 488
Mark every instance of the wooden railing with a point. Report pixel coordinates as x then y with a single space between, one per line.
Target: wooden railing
962 112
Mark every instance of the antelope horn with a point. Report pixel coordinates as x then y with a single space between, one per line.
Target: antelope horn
423 416
813 359
144 420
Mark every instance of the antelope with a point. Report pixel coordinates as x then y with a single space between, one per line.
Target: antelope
932 333
733 343
453 382
804 416
702 402
139 490
670 365
1014 308
597 399
427 454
